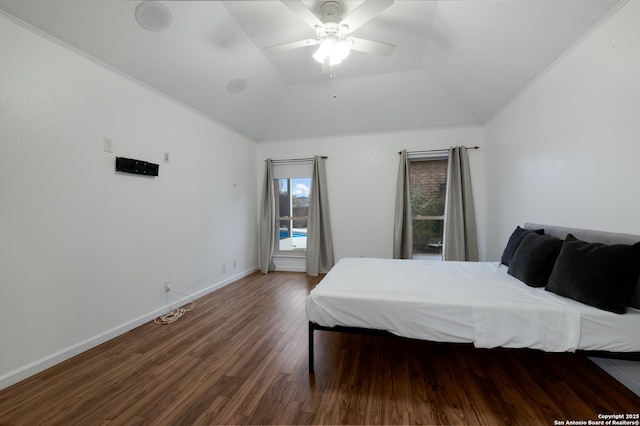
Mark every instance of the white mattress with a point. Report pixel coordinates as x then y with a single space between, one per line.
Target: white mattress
471 302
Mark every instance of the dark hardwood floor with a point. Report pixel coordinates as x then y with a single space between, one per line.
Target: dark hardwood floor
241 358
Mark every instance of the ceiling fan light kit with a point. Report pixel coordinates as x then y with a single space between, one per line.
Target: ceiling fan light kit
332 31
332 50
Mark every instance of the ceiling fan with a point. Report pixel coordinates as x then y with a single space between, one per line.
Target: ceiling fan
333 32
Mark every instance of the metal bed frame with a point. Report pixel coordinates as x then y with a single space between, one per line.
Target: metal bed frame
558 231
631 356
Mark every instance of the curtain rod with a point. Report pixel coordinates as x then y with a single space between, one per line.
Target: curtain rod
436 150
293 160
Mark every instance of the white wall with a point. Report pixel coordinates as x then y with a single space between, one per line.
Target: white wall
85 251
566 151
361 176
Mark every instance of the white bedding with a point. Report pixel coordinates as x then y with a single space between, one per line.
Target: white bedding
471 302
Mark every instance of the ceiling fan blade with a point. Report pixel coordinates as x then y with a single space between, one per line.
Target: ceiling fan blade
292 45
305 14
365 12
370 46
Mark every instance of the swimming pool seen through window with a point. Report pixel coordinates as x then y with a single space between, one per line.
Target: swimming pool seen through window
293 213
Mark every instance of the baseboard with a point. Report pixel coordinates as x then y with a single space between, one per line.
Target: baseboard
214 287
42 364
626 372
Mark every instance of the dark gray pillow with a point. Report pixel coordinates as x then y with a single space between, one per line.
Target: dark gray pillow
514 241
596 274
533 260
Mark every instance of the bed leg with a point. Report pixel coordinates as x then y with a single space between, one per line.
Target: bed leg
311 330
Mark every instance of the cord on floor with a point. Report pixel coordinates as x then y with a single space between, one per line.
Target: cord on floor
175 314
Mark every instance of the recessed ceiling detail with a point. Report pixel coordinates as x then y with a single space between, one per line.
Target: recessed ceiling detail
455 63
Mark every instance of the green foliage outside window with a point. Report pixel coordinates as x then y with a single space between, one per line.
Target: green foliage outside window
427 234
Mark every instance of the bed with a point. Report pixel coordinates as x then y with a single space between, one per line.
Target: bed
482 303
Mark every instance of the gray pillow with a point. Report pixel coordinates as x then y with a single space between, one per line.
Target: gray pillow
514 241
533 261
600 275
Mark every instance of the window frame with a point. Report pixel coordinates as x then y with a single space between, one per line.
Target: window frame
422 158
294 252
290 170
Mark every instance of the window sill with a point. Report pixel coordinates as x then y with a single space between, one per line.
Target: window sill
298 255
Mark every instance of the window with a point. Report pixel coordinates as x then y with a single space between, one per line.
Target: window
428 189
293 213
292 182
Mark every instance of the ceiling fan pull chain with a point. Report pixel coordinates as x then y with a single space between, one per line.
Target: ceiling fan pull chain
332 76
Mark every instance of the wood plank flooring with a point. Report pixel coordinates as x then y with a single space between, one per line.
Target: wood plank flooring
241 358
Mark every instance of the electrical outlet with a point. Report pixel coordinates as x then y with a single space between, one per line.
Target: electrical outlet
234 264
167 286
223 268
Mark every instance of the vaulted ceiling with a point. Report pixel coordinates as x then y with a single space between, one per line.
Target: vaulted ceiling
455 63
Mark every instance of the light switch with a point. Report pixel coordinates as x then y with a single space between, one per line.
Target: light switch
107 144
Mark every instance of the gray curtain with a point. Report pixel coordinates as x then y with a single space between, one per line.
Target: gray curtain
460 234
402 224
267 235
319 240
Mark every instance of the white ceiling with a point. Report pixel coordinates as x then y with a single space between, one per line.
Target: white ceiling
456 62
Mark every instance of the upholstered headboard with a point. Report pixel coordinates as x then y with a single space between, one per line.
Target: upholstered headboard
591 237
